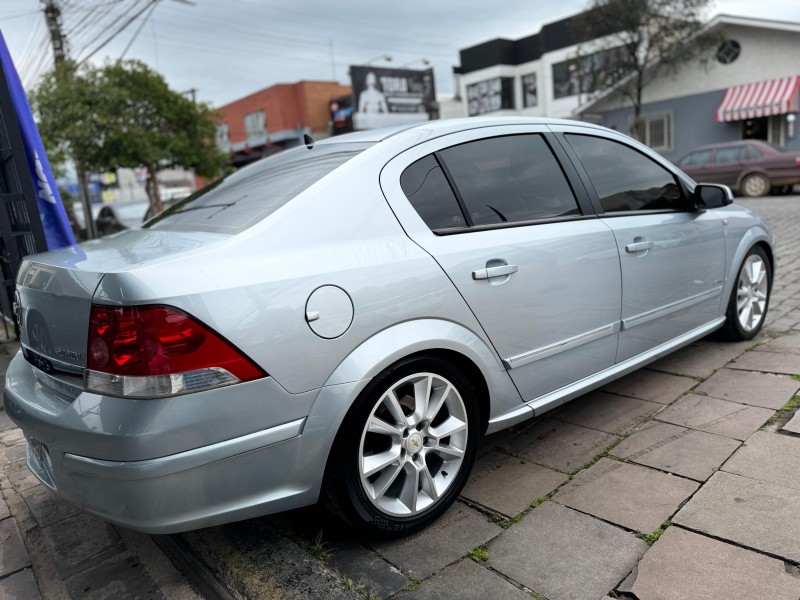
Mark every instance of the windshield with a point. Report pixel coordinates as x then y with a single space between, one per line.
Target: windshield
249 195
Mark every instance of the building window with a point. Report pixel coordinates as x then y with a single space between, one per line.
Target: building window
223 137
488 96
587 74
255 125
530 94
657 132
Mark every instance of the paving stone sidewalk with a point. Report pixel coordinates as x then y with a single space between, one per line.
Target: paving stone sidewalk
49 550
678 481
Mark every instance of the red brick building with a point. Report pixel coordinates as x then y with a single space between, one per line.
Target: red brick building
276 118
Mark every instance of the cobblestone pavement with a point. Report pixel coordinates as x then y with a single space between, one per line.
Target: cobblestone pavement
677 481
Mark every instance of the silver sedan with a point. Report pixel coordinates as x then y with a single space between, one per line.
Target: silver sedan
345 320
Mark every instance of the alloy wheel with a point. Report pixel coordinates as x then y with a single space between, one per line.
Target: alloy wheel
751 292
755 186
413 444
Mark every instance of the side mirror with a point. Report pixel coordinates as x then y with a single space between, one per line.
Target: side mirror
711 195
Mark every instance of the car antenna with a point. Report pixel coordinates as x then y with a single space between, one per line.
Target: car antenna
309 141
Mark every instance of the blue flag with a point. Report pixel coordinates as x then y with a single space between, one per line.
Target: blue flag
57 230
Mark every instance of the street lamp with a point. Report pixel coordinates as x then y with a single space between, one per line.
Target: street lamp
424 61
386 57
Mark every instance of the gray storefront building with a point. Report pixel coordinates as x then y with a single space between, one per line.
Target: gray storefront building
748 90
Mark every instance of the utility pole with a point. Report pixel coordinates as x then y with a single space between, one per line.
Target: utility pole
52 15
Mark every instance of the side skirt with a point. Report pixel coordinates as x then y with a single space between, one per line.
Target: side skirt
558 397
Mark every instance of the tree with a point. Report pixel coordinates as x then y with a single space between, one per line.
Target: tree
125 115
66 104
640 40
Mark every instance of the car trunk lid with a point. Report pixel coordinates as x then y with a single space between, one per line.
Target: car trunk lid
55 290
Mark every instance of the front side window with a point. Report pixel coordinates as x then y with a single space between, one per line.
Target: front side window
726 156
508 179
624 179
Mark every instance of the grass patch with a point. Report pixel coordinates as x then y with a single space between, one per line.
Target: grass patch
783 415
652 538
413 584
793 404
538 596
796 377
480 554
316 548
360 589
603 454
506 523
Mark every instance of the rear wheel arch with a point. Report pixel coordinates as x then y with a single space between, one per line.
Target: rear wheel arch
770 256
339 486
458 360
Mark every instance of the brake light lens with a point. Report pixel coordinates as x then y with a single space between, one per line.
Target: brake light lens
157 351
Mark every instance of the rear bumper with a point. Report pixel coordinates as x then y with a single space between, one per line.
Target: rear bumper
106 455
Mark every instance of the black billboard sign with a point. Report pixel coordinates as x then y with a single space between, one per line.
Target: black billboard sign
384 97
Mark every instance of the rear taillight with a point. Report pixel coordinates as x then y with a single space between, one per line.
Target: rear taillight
797 160
157 351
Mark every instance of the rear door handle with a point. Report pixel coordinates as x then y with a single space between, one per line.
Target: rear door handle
639 246
494 271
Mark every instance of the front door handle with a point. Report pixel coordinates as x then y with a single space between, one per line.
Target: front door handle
639 246
498 271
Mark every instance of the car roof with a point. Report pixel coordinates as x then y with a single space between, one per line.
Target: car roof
733 143
446 126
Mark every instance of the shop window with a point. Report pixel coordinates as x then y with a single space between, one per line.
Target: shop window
255 125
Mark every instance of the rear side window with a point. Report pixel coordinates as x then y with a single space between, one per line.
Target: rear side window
510 178
729 155
426 187
624 179
249 195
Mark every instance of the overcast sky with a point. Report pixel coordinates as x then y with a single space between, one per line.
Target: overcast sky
227 49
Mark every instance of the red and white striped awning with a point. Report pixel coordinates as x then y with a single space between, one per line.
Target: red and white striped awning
762 99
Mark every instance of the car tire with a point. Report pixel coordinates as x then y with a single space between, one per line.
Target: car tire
755 185
399 460
749 301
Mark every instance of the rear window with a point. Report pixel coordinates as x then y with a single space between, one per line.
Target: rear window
251 194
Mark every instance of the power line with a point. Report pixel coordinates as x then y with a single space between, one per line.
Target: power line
119 30
141 26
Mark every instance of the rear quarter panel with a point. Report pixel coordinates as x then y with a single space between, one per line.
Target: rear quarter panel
254 287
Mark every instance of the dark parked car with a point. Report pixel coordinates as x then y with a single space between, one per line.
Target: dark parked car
115 217
750 167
